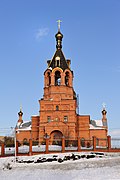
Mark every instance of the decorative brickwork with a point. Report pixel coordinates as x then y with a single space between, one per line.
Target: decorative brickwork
58 118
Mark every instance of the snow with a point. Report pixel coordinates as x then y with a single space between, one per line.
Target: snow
21 127
24 129
94 127
99 125
98 122
18 124
106 167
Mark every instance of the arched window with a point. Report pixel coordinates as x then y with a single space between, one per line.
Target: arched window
48 118
65 118
57 61
57 78
57 108
49 78
67 78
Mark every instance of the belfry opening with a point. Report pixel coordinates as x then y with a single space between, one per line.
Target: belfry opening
57 78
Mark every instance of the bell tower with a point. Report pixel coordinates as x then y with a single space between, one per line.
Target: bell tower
58 74
58 104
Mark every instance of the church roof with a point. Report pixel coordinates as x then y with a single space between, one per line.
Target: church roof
96 124
25 126
60 57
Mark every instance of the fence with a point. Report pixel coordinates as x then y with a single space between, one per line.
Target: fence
115 143
37 148
55 144
60 145
101 143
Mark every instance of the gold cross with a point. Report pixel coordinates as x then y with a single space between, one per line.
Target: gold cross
20 107
59 21
104 105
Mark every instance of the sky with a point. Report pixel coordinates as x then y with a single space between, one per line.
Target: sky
91 30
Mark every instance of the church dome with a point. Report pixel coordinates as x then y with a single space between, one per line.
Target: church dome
59 37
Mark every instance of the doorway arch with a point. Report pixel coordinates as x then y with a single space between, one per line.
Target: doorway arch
56 137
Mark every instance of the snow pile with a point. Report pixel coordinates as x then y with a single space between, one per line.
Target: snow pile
59 158
62 166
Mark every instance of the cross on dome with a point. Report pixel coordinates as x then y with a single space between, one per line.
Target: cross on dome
59 21
104 105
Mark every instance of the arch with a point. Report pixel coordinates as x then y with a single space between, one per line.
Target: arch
47 78
56 126
57 108
56 137
25 141
67 78
57 69
67 70
57 78
57 61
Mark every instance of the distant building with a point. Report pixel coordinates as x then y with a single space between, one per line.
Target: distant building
58 115
2 139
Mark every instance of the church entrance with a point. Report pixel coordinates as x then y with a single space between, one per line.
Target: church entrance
56 138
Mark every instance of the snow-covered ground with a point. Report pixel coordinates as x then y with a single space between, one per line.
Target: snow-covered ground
106 166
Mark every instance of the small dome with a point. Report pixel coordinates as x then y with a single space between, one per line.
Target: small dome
104 112
59 35
20 113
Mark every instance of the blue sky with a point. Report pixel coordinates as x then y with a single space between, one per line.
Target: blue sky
91 30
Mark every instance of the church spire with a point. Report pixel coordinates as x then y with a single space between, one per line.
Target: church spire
20 120
20 114
104 118
58 59
59 37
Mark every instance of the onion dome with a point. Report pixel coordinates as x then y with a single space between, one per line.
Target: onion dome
20 113
104 112
59 37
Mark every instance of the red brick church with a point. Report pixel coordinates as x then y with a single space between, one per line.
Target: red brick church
58 114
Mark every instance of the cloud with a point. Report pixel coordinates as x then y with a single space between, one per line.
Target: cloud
41 32
115 133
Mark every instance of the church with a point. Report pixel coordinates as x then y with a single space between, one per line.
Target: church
58 116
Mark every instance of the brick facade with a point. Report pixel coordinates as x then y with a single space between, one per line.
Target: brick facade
57 115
